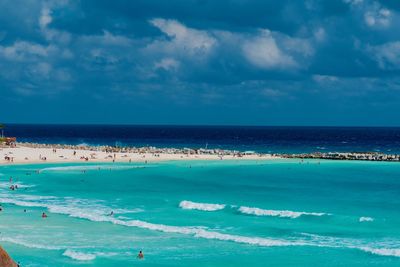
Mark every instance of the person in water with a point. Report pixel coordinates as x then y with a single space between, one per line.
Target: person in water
140 255
44 215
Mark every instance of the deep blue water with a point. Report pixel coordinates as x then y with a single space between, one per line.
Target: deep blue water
262 139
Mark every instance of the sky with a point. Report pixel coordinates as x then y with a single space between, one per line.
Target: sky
238 62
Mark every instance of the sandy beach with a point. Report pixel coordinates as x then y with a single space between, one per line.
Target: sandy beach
28 155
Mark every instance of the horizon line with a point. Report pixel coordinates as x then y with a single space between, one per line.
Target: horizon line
200 125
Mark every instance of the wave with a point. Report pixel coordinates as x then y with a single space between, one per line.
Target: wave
393 252
366 219
80 256
28 244
92 214
277 213
90 167
189 205
70 252
19 184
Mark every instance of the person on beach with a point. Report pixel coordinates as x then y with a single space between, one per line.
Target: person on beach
140 255
44 215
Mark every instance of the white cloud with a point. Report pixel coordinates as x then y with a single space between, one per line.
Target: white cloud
353 2
320 34
378 17
45 18
167 64
372 12
270 50
324 78
41 70
183 40
53 35
263 52
387 55
22 50
272 93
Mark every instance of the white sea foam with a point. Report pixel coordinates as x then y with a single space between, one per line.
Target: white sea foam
277 213
189 205
394 252
90 167
80 256
96 214
27 244
366 219
19 184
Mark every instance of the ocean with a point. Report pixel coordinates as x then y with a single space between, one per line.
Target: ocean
197 213
260 139
205 213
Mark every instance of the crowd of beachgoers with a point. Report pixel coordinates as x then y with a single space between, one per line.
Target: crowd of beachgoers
143 150
126 153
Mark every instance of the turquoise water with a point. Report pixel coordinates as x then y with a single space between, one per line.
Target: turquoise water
213 213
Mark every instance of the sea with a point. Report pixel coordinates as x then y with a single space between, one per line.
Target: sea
280 212
244 138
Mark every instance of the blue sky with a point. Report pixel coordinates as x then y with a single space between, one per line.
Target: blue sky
311 62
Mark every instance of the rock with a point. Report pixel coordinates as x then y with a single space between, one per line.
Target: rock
5 259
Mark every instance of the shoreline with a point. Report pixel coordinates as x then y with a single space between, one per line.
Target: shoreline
33 153
24 153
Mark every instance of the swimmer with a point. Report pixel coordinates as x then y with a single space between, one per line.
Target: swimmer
44 215
140 255
111 213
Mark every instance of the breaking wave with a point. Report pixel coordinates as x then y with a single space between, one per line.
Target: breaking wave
80 256
366 219
277 213
28 244
90 167
189 205
393 252
98 214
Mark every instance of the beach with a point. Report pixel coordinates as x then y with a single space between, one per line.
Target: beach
54 154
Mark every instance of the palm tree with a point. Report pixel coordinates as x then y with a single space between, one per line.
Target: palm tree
2 130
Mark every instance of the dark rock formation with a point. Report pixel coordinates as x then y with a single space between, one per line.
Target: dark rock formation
5 259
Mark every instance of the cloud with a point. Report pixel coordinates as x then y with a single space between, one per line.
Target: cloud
269 50
373 13
324 78
263 52
387 55
353 2
50 34
21 51
183 40
167 64
377 16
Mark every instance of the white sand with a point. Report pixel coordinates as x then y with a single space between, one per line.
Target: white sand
33 155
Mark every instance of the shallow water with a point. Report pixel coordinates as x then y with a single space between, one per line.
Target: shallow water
214 213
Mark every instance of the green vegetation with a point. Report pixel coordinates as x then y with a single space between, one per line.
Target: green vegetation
2 132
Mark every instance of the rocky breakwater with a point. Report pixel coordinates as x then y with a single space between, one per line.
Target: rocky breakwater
370 156
5 259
